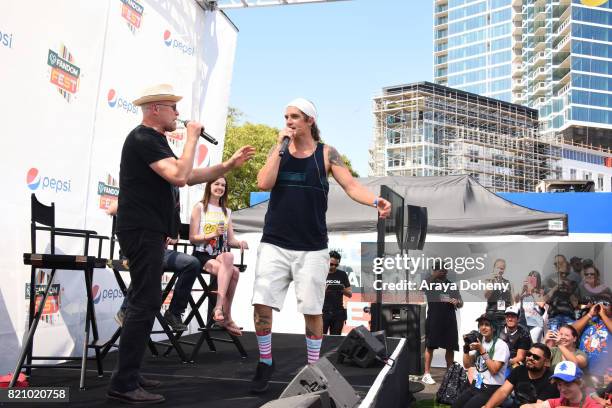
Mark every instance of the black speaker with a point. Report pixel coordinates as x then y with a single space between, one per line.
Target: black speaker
405 321
362 348
415 227
318 399
318 377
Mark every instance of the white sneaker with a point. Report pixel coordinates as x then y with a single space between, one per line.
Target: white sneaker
427 379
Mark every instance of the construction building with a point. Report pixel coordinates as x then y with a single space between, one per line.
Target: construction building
426 129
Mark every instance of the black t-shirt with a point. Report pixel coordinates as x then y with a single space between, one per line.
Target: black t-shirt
335 283
544 389
146 200
519 339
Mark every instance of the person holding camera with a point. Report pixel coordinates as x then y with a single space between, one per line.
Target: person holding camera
529 382
489 356
441 306
595 327
533 305
337 285
568 378
563 346
562 303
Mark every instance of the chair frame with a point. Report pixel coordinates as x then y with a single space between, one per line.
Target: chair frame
43 219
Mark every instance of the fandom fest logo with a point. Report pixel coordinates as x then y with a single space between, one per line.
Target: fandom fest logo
132 12
64 73
108 191
120 102
173 43
35 180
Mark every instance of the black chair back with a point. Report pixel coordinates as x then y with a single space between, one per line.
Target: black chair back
42 215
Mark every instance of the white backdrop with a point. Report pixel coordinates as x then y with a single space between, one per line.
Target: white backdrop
67 89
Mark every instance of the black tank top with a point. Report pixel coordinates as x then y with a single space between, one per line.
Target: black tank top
298 202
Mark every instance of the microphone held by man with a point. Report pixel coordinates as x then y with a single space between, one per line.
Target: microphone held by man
203 134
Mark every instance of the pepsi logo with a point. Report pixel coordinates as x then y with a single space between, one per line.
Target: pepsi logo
167 38
112 98
33 178
202 154
96 294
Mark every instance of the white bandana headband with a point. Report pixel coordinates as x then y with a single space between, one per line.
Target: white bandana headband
305 106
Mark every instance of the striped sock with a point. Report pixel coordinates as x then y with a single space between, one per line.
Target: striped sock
264 341
313 347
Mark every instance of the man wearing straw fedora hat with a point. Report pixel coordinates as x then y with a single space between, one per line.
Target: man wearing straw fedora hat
148 173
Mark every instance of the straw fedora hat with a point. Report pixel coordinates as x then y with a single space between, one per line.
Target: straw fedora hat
156 93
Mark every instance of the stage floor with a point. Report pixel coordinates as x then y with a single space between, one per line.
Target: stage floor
219 379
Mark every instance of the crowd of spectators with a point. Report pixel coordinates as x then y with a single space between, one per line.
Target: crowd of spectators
545 345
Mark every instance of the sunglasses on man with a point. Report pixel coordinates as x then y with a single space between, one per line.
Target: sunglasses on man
534 356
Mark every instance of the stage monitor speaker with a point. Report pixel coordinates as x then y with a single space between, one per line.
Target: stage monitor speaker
405 321
322 376
318 399
362 347
415 227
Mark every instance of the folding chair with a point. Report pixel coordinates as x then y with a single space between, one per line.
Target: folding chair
206 326
43 219
119 265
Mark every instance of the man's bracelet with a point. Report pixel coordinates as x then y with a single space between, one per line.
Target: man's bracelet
375 203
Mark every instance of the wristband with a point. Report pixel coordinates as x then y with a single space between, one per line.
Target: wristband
375 203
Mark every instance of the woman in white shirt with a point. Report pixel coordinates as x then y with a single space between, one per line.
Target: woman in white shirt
211 231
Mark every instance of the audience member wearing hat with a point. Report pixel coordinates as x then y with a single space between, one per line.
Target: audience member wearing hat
516 336
568 377
149 172
489 358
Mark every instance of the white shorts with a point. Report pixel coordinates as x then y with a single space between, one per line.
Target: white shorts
275 269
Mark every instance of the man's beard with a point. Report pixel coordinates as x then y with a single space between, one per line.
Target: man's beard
534 369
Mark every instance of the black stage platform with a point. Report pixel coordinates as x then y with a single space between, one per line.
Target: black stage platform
221 379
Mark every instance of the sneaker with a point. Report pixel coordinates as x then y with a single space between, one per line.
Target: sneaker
120 317
427 379
136 397
174 321
260 382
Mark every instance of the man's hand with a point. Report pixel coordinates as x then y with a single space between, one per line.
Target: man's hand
194 129
171 241
243 245
383 207
552 335
241 156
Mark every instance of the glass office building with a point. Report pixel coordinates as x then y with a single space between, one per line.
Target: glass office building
554 56
473 46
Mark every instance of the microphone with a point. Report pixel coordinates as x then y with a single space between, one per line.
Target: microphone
203 134
284 146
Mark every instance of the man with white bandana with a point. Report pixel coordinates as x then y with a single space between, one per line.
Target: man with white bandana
294 242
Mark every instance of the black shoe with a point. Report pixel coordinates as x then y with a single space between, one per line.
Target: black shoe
147 383
174 321
260 382
136 397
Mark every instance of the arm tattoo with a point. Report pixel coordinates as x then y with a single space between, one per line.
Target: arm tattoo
335 158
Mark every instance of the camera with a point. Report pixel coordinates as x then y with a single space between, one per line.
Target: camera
469 338
597 308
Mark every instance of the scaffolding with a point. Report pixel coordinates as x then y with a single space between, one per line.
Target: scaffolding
424 129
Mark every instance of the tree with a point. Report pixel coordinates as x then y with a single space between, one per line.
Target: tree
243 180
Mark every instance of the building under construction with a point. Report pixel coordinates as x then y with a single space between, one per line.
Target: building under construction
424 129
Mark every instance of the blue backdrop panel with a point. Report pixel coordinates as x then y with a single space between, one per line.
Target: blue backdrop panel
587 212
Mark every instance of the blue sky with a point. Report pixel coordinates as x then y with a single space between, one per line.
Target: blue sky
338 54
